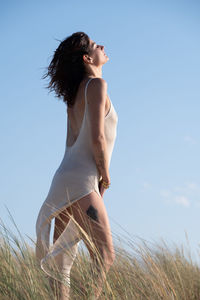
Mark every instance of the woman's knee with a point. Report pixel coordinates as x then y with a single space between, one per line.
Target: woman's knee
108 256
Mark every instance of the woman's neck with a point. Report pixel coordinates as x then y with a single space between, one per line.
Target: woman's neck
94 72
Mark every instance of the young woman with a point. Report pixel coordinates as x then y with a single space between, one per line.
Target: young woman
75 197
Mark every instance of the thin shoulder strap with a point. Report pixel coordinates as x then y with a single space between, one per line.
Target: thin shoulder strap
86 89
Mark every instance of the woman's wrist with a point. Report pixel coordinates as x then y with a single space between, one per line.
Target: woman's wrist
105 182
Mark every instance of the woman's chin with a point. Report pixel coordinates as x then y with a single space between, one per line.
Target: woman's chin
107 58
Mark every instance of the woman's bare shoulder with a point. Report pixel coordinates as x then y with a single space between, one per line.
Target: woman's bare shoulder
98 82
97 89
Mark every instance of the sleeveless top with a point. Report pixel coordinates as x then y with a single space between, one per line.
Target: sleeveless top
76 176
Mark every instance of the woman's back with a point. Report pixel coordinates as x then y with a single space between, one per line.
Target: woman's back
75 114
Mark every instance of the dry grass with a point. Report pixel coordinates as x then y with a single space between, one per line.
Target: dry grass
145 272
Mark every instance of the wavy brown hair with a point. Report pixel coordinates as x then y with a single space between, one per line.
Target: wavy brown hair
66 69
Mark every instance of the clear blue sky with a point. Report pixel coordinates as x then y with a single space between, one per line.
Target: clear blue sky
153 80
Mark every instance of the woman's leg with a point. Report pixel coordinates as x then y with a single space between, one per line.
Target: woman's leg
90 214
61 221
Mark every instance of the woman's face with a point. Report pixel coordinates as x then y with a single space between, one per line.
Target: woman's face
97 54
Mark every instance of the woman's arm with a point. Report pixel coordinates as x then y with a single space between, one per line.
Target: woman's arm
96 96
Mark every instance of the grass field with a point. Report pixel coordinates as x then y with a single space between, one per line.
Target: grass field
148 271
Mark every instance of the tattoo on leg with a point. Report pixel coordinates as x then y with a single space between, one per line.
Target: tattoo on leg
92 213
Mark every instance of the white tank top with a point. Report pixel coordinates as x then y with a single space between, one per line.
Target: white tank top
78 166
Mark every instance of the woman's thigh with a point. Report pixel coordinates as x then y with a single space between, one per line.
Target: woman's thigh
61 222
91 215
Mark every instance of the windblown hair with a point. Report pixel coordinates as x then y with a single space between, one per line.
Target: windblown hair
66 69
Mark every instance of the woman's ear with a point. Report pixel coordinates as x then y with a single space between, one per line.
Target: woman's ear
87 59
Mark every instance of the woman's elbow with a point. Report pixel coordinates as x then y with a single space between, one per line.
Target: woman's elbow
98 139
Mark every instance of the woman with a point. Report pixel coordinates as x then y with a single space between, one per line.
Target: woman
75 197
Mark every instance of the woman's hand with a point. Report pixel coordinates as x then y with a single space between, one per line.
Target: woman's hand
101 188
